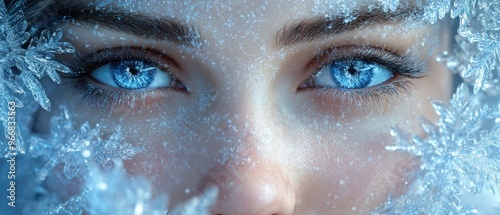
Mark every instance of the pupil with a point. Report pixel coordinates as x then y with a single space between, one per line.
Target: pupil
352 71
134 70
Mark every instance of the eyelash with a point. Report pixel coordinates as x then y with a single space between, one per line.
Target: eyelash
95 95
404 67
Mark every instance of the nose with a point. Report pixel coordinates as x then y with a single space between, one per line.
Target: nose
261 189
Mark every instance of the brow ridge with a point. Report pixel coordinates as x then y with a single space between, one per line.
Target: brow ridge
139 25
307 30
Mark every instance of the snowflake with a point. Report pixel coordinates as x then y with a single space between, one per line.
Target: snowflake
479 26
78 149
435 10
27 64
104 194
453 158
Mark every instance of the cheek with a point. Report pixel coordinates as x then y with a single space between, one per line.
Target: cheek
349 167
355 172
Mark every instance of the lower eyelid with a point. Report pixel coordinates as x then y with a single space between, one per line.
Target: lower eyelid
377 98
94 95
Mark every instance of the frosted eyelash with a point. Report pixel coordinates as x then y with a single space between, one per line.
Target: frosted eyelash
115 100
404 67
407 65
374 98
94 96
83 65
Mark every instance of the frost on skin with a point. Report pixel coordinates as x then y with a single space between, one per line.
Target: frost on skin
79 148
456 155
453 158
22 64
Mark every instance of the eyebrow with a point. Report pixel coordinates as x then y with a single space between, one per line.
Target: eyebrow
320 27
163 28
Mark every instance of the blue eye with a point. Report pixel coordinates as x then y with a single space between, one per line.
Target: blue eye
352 74
132 74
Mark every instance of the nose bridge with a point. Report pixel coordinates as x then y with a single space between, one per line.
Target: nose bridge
251 177
245 97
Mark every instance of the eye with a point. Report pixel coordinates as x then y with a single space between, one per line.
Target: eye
133 74
361 74
352 74
353 68
132 77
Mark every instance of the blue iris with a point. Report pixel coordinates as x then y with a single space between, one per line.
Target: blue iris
352 74
132 74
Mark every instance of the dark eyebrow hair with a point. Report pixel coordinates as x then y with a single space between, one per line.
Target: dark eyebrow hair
311 29
160 28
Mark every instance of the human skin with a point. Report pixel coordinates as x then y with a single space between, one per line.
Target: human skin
244 124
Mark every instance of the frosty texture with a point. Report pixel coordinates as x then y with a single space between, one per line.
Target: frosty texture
459 154
20 67
477 50
78 149
453 158
105 194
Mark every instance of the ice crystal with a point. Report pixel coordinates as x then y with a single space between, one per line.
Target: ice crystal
30 63
72 206
479 47
389 5
79 148
20 61
453 158
456 156
105 194
436 10
198 205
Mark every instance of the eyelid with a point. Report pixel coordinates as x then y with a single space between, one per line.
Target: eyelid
86 64
406 65
403 66
111 98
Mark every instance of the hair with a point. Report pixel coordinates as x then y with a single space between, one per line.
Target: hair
37 13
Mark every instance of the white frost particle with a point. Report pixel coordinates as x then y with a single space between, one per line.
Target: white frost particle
341 182
102 186
458 156
86 153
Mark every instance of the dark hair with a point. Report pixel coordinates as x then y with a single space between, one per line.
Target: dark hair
37 12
